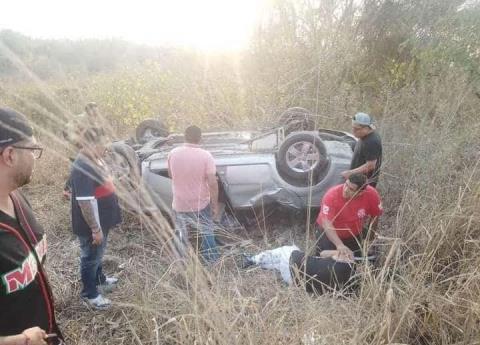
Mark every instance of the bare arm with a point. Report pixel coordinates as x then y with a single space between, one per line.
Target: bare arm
168 167
213 185
365 168
32 336
331 234
362 169
329 230
89 213
18 339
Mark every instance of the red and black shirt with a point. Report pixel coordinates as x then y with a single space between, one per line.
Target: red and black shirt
25 296
92 181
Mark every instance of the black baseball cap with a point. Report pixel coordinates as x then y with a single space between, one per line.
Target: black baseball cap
14 127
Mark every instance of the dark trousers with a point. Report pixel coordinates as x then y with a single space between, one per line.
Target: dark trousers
91 265
323 243
320 274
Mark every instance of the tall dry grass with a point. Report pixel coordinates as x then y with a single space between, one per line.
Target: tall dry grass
425 290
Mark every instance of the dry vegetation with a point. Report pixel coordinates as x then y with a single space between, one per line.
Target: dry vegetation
425 97
425 292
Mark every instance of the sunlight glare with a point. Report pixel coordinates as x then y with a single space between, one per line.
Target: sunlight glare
204 25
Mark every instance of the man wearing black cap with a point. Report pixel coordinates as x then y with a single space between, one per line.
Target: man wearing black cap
367 156
26 304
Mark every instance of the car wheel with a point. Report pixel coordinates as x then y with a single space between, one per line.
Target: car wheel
296 119
123 163
301 157
150 129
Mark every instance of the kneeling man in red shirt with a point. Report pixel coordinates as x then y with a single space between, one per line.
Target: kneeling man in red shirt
345 211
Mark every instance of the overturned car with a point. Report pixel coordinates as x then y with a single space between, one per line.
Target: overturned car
291 165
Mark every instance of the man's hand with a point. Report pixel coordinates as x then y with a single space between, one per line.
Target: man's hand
35 335
344 252
213 186
97 236
346 174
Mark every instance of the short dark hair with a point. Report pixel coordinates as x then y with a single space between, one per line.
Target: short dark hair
360 180
193 134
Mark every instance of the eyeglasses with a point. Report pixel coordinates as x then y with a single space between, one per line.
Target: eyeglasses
37 151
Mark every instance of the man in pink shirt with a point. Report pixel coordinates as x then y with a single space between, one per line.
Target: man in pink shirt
195 193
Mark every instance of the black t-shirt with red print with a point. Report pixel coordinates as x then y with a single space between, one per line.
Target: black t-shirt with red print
25 296
92 182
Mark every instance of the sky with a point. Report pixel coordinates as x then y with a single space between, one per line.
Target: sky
209 25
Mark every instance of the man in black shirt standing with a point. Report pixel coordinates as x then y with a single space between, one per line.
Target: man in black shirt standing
367 156
27 313
95 211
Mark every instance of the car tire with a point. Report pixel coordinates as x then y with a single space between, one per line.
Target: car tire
126 156
301 157
149 129
296 119
123 162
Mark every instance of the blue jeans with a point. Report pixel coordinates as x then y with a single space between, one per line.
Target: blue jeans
202 222
91 265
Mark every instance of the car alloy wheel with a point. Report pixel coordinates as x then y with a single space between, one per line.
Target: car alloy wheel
302 156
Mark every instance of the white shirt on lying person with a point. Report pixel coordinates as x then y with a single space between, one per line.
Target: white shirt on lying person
277 259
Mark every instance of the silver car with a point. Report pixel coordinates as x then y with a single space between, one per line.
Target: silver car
254 168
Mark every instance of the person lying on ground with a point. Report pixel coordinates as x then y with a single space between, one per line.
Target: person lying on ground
326 272
348 214
26 302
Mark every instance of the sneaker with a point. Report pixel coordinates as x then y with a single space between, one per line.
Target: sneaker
110 281
99 302
109 284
